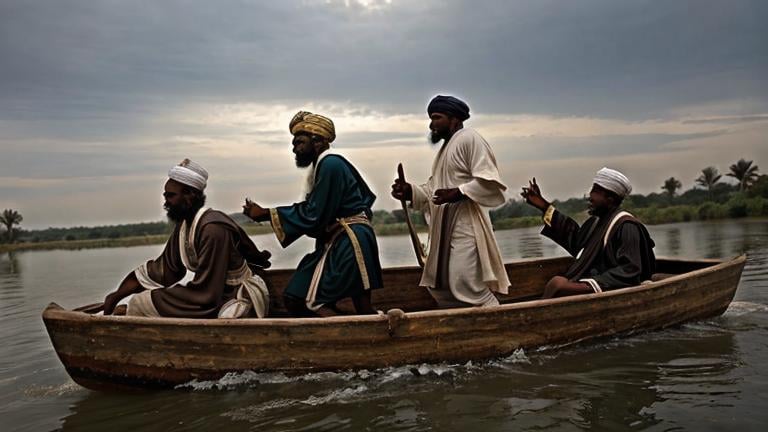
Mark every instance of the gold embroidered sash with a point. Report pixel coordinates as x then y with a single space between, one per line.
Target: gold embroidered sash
342 225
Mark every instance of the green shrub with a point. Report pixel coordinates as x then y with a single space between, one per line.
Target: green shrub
737 206
517 222
757 207
711 210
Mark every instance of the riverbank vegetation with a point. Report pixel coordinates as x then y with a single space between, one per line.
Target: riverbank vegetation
709 198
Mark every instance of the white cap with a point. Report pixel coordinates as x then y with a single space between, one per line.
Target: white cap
613 181
190 174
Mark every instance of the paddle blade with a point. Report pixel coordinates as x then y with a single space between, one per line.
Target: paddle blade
400 172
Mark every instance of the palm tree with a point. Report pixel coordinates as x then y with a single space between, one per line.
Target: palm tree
671 185
709 176
744 172
9 218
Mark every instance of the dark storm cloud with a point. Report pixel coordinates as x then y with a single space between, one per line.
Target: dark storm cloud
728 120
104 95
604 146
67 59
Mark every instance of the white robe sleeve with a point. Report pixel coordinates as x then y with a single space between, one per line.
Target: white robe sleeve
485 187
421 196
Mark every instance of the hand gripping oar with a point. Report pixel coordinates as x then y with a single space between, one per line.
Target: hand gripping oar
417 248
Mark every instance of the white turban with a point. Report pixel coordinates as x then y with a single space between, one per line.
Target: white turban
190 174
613 181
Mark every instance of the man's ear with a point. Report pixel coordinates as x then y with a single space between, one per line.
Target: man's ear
615 199
187 192
320 143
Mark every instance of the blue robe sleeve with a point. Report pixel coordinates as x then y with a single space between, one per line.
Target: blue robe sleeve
312 216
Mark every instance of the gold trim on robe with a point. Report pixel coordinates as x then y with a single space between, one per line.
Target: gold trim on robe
277 227
548 215
344 225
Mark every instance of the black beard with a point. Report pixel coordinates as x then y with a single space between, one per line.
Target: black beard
304 161
598 211
435 137
179 213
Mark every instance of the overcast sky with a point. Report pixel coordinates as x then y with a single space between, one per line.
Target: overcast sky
98 99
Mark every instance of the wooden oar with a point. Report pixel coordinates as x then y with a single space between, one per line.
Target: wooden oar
417 248
99 307
91 308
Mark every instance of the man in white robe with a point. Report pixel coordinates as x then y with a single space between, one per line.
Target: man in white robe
464 265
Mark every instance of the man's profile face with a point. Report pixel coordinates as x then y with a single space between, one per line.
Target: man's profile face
177 203
304 150
599 201
440 126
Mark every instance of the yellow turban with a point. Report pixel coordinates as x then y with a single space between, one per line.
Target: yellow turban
316 124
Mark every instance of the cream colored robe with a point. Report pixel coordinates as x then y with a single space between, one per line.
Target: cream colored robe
475 267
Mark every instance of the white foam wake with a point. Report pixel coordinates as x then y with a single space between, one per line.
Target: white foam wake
739 308
381 376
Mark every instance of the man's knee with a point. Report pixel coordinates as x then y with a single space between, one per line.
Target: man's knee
141 305
554 284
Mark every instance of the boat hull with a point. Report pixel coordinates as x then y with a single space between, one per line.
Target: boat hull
104 351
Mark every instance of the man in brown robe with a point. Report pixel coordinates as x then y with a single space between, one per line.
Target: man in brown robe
612 249
204 241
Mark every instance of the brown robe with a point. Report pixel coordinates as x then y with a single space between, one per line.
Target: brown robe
220 245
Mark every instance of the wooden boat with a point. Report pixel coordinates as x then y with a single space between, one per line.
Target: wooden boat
99 351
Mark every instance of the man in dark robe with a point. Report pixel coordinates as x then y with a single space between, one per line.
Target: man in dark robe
336 212
612 248
204 241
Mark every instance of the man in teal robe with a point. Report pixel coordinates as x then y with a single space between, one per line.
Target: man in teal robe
337 213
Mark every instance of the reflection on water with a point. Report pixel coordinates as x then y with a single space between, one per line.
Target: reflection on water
673 240
9 264
703 376
712 242
620 383
530 246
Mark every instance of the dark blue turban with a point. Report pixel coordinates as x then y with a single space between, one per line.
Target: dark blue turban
449 105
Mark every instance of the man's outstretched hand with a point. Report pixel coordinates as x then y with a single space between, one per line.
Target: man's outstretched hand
255 211
532 195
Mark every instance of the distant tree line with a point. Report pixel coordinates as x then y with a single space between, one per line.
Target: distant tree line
709 198
90 233
712 199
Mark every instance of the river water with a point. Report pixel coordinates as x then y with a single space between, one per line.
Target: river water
704 376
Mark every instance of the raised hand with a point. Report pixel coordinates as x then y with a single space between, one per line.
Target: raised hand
532 195
402 190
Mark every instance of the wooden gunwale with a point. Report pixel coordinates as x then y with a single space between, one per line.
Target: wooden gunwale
168 351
